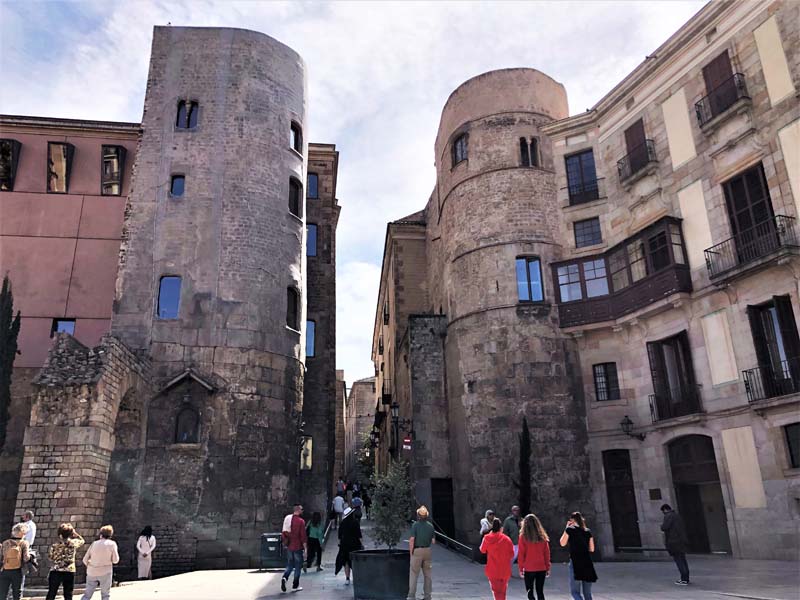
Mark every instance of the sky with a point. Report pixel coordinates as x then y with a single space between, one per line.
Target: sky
379 74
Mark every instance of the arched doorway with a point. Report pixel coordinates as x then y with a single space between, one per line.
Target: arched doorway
699 494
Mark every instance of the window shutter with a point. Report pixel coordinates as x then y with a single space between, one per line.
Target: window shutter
688 366
717 71
759 339
791 342
634 136
656 357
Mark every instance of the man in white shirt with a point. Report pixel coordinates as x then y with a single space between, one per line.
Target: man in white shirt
100 559
338 508
30 535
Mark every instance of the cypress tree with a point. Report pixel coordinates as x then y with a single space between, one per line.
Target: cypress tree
9 331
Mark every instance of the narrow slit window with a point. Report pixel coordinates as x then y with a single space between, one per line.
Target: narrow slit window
311 332
169 297
187 426
293 308
295 198
525 156
534 152
63 326
460 149
296 137
186 117
313 186
112 168
180 118
176 186
311 239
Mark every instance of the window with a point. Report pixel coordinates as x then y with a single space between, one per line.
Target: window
293 308
62 326
674 389
187 115
59 165
569 283
587 232
311 239
636 145
112 168
311 332
606 384
313 186
581 177
187 426
295 197
529 152
9 158
176 186
777 346
594 274
637 261
296 137
460 149
720 84
793 444
749 206
619 269
529 279
169 297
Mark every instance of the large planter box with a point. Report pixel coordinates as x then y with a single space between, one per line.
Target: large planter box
380 574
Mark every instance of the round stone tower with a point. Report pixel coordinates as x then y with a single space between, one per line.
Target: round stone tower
495 211
211 288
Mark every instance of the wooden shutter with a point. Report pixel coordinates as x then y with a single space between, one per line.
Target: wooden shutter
791 342
686 363
657 372
717 72
634 136
759 339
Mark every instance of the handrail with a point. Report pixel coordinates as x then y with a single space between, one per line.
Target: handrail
772 381
720 99
636 160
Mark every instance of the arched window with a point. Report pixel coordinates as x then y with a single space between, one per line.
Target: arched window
296 137
295 197
523 151
529 152
187 115
187 426
293 308
534 152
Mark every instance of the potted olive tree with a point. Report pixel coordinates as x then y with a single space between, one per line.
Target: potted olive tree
382 573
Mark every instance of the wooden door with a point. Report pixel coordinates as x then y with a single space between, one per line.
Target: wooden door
621 498
720 86
635 144
750 213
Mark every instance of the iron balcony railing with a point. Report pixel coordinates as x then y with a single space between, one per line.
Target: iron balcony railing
748 246
720 99
772 381
584 191
674 403
636 160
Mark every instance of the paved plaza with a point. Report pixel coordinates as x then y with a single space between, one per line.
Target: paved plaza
455 578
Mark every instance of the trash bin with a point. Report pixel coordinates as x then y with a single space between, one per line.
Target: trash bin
271 551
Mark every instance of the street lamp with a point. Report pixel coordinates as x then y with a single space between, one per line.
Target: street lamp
397 425
627 428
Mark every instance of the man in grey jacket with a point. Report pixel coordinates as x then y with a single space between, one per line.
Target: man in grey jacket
676 541
511 529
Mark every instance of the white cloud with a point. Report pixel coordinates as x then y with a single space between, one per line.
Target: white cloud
379 74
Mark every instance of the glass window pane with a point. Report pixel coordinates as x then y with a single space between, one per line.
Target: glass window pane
292 308
57 168
63 326
313 182
594 272
294 197
523 288
659 254
600 383
193 110
311 239
619 270
636 260
311 332
587 232
177 186
169 297
569 283
180 119
535 274
677 246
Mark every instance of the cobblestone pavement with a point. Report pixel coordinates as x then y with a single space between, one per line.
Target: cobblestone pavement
455 578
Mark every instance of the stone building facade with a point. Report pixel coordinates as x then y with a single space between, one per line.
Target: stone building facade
202 413
358 418
651 267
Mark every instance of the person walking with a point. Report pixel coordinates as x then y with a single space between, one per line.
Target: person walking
100 559
423 536
30 534
13 557
676 541
32 566
340 486
296 542
144 552
581 546
338 509
534 556
367 502
315 532
511 529
349 541
62 559
499 552
486 522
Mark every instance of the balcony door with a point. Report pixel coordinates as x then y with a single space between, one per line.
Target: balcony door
750 213
673 377
622 509
720 86
777 348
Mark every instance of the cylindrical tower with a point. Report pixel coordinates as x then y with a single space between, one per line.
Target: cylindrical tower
211 287
505 356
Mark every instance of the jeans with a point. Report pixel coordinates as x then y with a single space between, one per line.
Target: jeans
294 562
575 586
57 579
420 561
535 578
499 588
314 549
683 566
11 579
93 582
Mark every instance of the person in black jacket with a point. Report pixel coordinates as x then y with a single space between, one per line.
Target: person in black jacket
349 541
676 542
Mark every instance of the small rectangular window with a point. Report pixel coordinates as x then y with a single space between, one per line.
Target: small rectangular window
169 297
311 332
296 137
460 149
176 186
295 198
293 308
587 232
187 115
313 186
581 177
569 283
793 444
594 273
62 326
529 279
9 158
606 383
59 165
112 168
311 239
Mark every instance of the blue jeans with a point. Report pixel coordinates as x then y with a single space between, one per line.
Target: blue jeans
683 566
575 586
294 562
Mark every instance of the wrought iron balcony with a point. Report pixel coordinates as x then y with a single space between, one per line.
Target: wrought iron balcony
585 191
638 158
771 381
720 99
673 403
762 240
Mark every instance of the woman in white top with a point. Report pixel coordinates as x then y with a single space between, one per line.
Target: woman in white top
144 552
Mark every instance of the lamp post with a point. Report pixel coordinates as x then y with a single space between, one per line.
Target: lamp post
397 425
627 428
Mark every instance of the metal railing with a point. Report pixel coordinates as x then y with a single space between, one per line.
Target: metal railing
636 160
585 191
768 381
761 240
674 403
720 99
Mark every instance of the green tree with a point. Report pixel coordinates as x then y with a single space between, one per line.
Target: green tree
9 331
392 503
523 485
365 455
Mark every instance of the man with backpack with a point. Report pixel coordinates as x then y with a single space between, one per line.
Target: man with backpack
13 557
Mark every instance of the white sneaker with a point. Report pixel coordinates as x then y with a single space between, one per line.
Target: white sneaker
297 589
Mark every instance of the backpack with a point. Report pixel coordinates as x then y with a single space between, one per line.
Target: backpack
12 557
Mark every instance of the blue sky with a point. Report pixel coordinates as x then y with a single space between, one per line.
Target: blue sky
379 74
